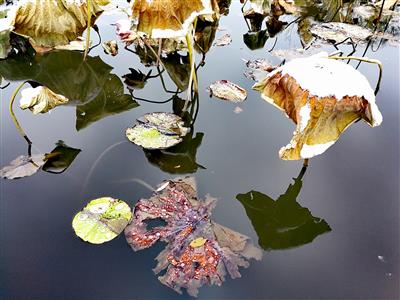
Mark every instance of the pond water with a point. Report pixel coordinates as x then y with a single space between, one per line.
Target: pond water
346 248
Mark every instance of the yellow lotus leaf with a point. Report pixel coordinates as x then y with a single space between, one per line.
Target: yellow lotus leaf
51 23
169 18
323 97
40 99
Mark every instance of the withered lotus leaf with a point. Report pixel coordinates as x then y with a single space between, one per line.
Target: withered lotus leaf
169 18
51 23
40 99
323 97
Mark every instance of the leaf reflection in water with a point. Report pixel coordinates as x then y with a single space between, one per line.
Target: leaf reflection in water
282 223
89 85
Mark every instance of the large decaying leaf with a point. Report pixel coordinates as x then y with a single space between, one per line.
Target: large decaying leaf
40 99
51 23
157 131
169 18
323 97
102 220
227 90
198 251
23 166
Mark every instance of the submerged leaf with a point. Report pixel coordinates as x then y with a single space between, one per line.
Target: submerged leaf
157 131
110 47
23 166
227 90
198 250
40 99
323 97
102 220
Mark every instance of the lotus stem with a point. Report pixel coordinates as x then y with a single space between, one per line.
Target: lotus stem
306 162
13 116
193 77
367 60
89 23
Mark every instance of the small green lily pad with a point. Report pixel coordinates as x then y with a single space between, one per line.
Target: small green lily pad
157 131
102 220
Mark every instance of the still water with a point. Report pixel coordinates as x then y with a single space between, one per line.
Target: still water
333 234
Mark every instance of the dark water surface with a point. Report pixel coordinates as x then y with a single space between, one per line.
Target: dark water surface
347 248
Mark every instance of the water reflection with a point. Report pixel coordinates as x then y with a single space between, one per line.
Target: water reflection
282 223
89 84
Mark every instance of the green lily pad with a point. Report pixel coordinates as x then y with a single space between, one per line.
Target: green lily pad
157 131
102 220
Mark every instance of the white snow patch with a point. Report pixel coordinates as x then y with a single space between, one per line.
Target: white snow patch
305 116
308 151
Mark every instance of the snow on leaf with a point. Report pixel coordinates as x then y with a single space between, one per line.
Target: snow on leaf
23 166
323 97
157 131
198 251
40 99
227 90
102 220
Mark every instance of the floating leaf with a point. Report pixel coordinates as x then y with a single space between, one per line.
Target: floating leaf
226 90
223 40
323 97
337 32
157 131
102 220
23 166
198 250
168 19
282 223
40 99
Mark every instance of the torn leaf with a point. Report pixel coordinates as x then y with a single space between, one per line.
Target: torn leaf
40 99
198 251
102 220
157 131
227 90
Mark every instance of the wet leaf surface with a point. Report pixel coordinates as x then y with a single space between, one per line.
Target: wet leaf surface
102 220
227 90
198 251
157 131
224 40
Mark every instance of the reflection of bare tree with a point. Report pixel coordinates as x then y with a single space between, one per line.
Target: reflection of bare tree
282 223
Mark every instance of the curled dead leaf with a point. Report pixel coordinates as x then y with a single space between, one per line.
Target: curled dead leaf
40 99
227 90
323 97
